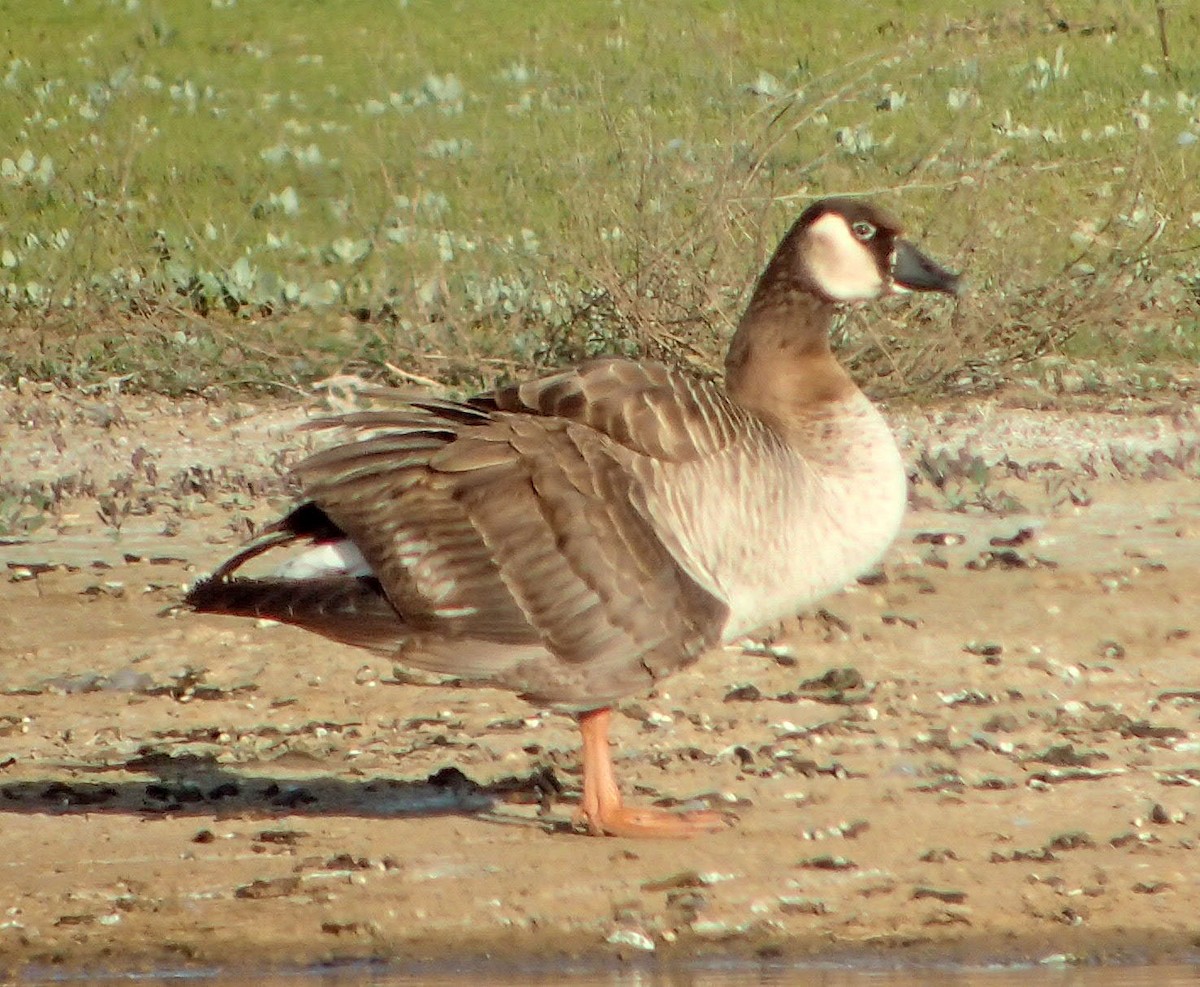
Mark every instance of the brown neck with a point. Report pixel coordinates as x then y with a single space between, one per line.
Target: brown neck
779 361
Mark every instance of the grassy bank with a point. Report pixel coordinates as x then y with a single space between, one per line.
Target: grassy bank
241 193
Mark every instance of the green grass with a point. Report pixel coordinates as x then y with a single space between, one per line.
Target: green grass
249 192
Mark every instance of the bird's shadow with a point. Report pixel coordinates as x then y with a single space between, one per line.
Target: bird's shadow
196 785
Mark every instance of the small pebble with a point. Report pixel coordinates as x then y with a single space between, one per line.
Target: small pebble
631 937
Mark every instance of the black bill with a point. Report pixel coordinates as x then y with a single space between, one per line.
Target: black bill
913 271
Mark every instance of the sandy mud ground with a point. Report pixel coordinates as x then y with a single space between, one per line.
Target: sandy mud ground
990 749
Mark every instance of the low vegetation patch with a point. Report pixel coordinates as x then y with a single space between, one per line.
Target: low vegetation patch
256 195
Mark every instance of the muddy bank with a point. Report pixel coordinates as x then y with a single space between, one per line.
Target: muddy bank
988 750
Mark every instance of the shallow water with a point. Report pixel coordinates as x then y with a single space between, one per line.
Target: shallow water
1050 975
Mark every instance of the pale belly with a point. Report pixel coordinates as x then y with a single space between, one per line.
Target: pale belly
838 538
771 531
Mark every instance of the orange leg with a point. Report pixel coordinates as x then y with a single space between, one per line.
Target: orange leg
603 809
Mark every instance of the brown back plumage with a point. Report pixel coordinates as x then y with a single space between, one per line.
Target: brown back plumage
515 520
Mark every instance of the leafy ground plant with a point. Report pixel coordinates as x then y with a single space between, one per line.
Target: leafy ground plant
259 194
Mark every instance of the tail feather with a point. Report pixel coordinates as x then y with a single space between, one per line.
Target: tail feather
307 521
350 609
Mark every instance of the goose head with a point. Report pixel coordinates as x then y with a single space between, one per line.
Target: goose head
839 251
848 250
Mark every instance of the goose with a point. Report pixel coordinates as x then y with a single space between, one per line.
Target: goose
578 537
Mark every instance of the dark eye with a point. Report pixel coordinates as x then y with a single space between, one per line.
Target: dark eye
863 230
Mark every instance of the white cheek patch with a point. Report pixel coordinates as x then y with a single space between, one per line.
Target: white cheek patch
841 266
336 558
